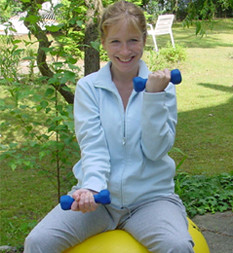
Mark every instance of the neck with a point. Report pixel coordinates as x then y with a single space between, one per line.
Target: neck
123 77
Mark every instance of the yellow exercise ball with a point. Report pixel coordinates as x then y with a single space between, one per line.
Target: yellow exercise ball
116 241
119 241
201 245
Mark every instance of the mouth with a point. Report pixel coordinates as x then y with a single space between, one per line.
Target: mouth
125 60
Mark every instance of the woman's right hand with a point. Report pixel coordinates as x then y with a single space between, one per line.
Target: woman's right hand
84 201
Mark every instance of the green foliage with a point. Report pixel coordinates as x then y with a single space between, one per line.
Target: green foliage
9 8
153 10
103 54
69 34
165 58
202 194
201 13
53 137
10 55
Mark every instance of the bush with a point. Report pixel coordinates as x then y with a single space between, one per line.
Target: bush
202 194
166 58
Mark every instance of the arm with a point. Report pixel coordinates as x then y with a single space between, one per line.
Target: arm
95 158
159 117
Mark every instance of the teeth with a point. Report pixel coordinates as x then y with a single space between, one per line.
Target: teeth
125 60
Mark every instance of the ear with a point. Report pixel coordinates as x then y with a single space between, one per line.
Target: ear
144 41
103 43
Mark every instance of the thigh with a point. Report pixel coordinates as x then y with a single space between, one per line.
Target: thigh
161 226
60 229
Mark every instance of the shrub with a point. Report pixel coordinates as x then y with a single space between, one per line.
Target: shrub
166 58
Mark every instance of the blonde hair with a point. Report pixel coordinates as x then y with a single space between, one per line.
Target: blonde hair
123 10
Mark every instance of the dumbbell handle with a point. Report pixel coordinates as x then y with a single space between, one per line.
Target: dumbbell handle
140 83
103 197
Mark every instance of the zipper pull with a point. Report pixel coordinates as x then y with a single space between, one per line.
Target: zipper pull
124 141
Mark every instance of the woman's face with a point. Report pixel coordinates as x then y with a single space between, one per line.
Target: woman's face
124 45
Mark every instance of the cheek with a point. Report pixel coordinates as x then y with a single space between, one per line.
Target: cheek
139 48
111 49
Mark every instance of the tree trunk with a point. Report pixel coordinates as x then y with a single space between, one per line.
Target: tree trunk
92 58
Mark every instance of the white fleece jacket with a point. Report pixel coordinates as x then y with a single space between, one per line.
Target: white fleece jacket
124 150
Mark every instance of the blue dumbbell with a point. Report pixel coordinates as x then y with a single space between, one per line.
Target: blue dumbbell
103 197
140 83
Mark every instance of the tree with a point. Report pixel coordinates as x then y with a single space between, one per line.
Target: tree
92 61
31 22
92 57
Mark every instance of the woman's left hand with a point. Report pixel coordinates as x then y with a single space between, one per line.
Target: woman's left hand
158 81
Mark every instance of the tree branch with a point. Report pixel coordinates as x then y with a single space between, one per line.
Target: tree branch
41 55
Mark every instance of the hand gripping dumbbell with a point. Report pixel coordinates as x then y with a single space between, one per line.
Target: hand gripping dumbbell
140 83
103 197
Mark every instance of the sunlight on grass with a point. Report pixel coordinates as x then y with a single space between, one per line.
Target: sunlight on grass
205 101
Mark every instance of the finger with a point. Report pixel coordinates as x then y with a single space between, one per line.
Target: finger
86 201
89 204
167 73
75 206
93 205
81 201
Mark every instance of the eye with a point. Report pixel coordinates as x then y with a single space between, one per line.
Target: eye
115 41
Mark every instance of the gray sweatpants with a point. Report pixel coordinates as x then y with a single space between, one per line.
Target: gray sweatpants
160 225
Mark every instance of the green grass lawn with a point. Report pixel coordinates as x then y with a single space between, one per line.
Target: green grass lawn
205 102
205 98
204 130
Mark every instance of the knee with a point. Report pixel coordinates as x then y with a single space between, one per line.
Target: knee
36 242
176 245
29 243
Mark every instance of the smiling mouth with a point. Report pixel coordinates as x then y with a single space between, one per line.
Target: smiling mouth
125 60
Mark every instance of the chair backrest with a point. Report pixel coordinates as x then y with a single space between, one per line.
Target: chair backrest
164 24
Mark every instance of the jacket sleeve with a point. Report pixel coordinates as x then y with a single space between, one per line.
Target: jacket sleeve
95 159
158 122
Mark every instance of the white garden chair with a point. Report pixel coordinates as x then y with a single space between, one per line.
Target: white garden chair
163 26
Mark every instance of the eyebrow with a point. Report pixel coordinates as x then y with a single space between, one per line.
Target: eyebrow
130 37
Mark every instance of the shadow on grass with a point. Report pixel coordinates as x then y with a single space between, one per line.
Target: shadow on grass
217 87
210 132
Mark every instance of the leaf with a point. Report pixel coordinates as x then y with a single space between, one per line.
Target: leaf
53 80
13 145
16 42
29 58
68 76
58 64
53 28
47 49
42 78
71 60
65 88
58 6
49 92
95 45
44 104
32 19
79 23
13 166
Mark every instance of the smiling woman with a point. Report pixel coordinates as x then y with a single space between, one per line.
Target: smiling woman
123 35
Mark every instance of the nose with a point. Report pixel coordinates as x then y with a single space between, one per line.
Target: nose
125 49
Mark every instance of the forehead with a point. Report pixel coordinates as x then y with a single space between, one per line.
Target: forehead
126 27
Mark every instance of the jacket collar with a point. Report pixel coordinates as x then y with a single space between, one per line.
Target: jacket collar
104 77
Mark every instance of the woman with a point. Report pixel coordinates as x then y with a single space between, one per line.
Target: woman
124 139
